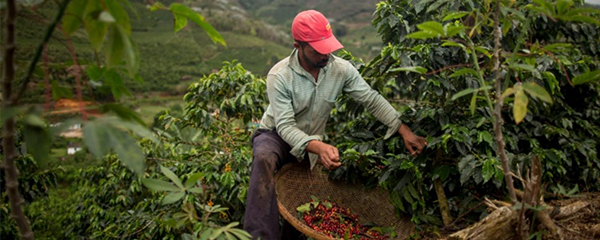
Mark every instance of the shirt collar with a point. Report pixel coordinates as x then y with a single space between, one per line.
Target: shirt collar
294 63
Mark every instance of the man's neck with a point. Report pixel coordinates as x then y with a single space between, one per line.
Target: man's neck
310 69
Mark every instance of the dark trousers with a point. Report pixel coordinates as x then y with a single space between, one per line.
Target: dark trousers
261 218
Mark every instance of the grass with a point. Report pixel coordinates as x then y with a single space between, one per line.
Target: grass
149 109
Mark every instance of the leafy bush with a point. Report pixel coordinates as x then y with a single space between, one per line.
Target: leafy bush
424 75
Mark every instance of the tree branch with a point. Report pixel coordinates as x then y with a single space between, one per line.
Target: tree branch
497 110
15 98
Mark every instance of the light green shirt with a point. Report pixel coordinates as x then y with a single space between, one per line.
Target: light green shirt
299 107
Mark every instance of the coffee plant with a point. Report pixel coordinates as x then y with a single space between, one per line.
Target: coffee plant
437 67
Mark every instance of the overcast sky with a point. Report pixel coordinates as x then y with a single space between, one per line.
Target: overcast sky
597 2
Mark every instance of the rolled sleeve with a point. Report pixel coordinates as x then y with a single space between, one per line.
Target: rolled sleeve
360 91
283 113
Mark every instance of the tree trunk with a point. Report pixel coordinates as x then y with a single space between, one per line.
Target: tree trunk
499 225
442 200
8 139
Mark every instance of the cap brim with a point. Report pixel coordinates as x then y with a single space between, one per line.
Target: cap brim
326 46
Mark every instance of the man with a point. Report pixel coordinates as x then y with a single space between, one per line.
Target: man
302 90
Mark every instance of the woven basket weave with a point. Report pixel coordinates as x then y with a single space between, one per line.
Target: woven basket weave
295 183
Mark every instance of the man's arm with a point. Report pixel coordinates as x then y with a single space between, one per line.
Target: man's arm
281 103
360 91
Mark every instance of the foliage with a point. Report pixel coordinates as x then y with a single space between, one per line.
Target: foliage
34 184
426 68
110 201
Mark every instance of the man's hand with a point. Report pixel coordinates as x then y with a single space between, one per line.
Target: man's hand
328 155
412 141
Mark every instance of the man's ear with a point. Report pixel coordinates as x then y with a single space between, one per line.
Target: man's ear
297 46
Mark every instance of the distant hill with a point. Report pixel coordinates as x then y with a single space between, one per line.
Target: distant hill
256 31
350 19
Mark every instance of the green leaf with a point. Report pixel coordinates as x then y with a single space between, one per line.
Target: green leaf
198 190
59 92
180 22
114 80
128 150
436 5
525 67
37 138
157 6
193 179
557 47
467 171
96 138
462 93
303 208
463 71
106 17
94 72
453 44
119 14
131 53
167 172
454 15
547 6
507 92
100 137
95 28
173 197
453 30
140 130
442 172
484 51
415 69
488 170
520 106
159 185
506 25
582 18
587 77
71 20
520 16
473 103
8 112
180 9
114 47
122 112
432 27
537 91
422 35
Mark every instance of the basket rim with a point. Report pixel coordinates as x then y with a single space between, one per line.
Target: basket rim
294 220
288 216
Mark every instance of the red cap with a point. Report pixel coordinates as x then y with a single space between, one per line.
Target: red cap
312 27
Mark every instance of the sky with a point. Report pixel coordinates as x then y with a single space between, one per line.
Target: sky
597 2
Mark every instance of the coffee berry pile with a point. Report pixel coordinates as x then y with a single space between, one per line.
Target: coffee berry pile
337 222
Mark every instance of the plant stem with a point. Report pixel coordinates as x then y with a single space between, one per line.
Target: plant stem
497 110
480 76
8 131
78 71
48 90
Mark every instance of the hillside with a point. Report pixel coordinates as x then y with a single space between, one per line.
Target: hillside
256 32
350 19
166 57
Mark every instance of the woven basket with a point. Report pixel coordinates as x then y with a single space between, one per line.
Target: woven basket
295 183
